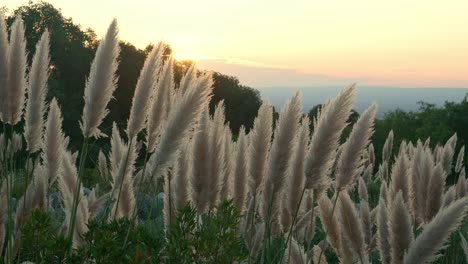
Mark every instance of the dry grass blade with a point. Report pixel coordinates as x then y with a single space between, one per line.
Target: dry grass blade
436 232
101 83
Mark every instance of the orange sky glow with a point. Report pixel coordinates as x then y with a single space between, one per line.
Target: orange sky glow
298 43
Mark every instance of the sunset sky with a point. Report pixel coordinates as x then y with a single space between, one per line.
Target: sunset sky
298 43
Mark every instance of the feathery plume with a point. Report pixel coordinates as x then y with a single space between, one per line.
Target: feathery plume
37 91
367 174
296 254
200 163
158 114
383 233
435 191
146 81
363 196
296 170
351 226
67 182
180 183
182 117
372 154
400 229
35 199
3 64
189 76
101 83
240 171
216 145
366 221
102 166
324 142
449 197
229 163
399 177
317 251
53 143
460 159
260 138
388 146
280 154
436 232
122 187
352 150
117 150
330 223
16 79
460 187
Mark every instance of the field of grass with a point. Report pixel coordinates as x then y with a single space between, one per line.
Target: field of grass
173 186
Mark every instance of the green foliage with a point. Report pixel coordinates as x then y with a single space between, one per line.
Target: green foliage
40 242
104 243
214 240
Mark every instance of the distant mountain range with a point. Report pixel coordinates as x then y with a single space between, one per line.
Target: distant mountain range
387 98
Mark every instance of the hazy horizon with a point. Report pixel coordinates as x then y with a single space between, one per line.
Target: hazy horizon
387 98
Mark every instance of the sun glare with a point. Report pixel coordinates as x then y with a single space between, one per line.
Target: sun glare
192 57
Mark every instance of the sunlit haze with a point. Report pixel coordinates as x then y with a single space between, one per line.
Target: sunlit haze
298 43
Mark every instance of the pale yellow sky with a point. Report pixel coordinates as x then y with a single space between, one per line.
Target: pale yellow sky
276 43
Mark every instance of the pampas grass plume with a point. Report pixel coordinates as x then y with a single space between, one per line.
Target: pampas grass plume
424 249
16 79
400 229
352 150
324 142
146 81
101 83
37 91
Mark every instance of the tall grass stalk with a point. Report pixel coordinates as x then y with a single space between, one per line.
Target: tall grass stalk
76 194
332 212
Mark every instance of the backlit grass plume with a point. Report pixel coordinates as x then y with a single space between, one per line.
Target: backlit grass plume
3 64
13 101
329 125
101 83
37 91
425 247
146 82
